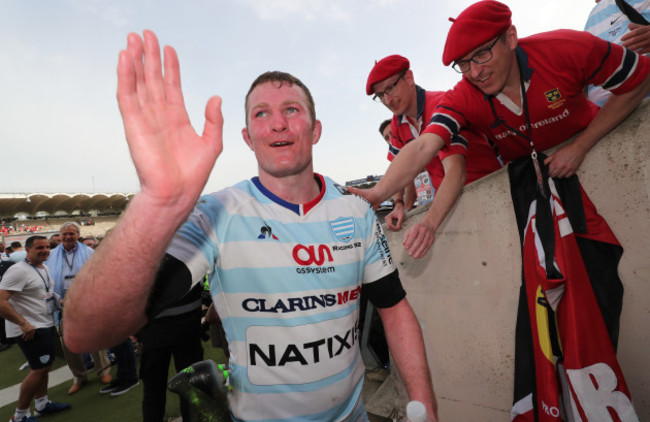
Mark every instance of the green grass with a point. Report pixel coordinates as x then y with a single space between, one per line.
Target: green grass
88 404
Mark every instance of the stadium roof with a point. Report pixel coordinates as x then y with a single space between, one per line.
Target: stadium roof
43 205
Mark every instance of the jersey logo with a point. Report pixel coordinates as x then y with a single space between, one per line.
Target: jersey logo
554 98
553 95
267 233
307 255
343 228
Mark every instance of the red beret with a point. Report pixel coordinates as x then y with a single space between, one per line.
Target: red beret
385 68
476 25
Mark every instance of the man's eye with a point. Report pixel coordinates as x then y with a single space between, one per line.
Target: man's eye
482 54
292 109
260 114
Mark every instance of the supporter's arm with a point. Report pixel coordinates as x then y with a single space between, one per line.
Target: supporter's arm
9 313
406 344
637 39
419 238
413 157
410 195
565 161
107 301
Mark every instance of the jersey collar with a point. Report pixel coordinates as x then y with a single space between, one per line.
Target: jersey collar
300 209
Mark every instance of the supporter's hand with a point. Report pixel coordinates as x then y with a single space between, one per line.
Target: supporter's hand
28 331
173 163
394 219
638 39
565 161
418 240
369 195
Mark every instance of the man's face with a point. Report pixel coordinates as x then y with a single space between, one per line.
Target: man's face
91 243
399 92
69 236
386 133
56 238
491 77
280 130
39 251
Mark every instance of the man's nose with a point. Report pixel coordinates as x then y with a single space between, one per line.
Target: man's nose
475 69
279 122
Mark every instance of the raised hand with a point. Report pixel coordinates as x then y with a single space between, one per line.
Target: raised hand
172 161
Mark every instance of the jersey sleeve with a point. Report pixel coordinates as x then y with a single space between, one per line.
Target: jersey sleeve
380 280
611 66
195 243
448 120
378 261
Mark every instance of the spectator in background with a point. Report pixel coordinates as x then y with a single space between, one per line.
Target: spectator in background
127 370
613 24
64 263
27 302
410 194
56 238
17 252
174 331
391 82
90 241
384 130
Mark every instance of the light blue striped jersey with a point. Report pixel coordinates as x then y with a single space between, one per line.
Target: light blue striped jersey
606 21
285 280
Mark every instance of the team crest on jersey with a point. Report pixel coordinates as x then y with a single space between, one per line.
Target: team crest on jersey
343 228
554 98
267 233
553 95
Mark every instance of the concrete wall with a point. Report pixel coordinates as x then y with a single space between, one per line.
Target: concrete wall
465 292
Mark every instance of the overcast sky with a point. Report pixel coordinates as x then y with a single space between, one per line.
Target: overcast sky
60 128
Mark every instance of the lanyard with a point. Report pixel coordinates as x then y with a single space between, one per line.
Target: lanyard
46 284
65 257
528 136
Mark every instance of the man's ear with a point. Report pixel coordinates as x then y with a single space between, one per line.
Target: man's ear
316 132
410 79
247 138
511 37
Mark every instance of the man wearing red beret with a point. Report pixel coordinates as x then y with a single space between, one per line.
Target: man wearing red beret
391 82
528 96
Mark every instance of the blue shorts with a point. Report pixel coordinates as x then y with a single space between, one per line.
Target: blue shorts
39 351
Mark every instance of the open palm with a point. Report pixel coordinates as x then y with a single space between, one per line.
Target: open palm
172 161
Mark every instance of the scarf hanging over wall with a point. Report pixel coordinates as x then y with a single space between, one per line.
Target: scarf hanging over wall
569 308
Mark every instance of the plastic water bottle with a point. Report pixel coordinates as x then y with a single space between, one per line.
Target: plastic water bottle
416 412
